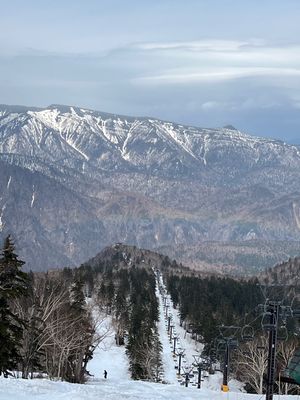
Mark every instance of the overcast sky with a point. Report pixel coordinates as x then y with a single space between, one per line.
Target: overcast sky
201 62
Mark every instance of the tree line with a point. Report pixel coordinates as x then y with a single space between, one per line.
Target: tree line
207 303
47 326
128 295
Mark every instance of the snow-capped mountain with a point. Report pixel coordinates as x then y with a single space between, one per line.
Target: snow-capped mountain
82 138
76 179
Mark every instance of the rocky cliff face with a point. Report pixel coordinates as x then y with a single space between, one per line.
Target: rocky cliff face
74 180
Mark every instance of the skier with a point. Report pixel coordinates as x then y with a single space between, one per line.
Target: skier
105 374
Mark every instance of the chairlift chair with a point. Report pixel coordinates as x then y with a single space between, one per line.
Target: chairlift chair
265 322
247 333
282 333
206 362
212 354
221 347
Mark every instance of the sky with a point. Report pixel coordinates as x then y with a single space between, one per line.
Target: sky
207 63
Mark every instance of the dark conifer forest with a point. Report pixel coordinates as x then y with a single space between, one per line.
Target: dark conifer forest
47 325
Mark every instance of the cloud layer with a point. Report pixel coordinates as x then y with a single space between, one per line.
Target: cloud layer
200 65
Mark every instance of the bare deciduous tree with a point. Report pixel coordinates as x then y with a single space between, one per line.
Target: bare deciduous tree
63 337
286 350
252 361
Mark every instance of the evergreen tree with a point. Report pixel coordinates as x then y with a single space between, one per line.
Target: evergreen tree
81 352
13 284
142 345
77 299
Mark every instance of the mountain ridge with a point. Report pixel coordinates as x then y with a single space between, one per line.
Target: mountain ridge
147 182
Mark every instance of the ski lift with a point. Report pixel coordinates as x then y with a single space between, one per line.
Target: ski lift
286 312
221 347
247 333
211 352
233 344
206 362
282 333
228 332
215 342
265 322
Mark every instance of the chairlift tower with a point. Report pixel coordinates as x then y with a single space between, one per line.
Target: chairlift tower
180 354
175 338
187 371
202 364
166 309
171 332
169 322
228 334
273 313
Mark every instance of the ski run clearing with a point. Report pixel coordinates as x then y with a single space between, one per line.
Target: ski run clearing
118 384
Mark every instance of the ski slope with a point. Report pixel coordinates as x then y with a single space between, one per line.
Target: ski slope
111 389
185 343
108 357
118 385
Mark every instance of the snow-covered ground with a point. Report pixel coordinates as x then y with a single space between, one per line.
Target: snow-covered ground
118 385
185 343
111 389
109 357
167 358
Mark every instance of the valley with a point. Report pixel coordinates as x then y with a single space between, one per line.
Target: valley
229 201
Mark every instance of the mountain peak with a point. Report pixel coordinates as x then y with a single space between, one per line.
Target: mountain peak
145 182
230 127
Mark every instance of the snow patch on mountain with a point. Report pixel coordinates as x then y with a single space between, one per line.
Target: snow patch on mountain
8 183
296 211
61 132
1 223
32 196
192 183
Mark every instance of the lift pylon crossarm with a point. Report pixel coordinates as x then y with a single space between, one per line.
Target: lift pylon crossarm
187 372
274 319
197 358
228 331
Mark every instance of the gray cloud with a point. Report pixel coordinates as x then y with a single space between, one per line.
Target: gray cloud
203 82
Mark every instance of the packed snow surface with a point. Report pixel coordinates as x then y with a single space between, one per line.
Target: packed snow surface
118 384
112 389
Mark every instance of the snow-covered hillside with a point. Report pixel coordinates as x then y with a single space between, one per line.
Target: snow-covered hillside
184 344
118 384
11 389
88 179
85 138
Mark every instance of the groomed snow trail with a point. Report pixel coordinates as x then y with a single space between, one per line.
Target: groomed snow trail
42 389
118 385
185 343
108 356
167 358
